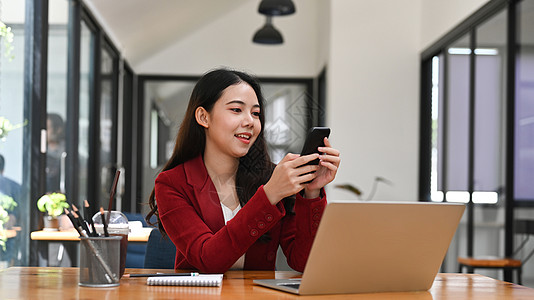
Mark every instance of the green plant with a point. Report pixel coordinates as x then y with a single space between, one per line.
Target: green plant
53 204
6 203
7 36
349 187
4 217
6 127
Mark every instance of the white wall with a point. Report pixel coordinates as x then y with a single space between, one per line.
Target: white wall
373 100
227 41
440 16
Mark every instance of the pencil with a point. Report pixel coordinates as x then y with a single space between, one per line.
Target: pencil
112 192
77 219
104 224
161 274
88 217
78 214
74 223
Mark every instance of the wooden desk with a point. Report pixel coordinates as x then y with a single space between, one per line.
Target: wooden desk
73 236
62 283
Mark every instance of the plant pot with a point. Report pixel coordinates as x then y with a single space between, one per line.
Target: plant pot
51 223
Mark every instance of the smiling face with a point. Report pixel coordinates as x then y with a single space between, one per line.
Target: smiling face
233 124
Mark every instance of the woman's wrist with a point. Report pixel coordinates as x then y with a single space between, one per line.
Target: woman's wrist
311 194
271 196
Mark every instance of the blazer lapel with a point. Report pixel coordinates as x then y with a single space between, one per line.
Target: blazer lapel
205 193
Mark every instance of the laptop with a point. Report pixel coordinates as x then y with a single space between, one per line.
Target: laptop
369 247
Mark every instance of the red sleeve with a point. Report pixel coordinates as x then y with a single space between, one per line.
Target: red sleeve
299 230
208 251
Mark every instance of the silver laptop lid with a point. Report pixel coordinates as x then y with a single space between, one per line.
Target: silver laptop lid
364 247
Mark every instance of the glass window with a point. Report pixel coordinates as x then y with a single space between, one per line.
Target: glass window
165 105
524 121
490 110
56 96
452 121
14 206
107 128
286 121
86 73
457 120
436 186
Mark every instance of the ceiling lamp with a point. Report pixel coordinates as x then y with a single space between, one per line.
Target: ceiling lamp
268 34
276 7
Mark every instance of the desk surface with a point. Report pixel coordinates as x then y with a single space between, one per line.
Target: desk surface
73 236
62 283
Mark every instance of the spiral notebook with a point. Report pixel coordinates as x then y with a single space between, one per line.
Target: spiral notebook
214 280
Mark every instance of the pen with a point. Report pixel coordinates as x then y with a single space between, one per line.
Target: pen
161 274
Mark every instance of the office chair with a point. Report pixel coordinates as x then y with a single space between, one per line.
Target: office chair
160 252
135 255
525 227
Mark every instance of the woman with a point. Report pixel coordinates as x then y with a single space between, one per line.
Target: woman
221 200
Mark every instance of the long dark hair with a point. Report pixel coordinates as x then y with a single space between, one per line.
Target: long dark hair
255 168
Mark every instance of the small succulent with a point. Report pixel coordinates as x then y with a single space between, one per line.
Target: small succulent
53 204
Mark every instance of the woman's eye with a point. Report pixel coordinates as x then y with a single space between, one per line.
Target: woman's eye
256 113
235 109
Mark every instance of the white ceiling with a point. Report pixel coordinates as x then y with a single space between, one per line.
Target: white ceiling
141 27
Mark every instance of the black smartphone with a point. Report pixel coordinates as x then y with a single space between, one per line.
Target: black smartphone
314 140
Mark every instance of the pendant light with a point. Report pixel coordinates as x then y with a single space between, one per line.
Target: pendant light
268 34
276 7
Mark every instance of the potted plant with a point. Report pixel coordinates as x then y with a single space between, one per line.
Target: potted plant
351 188
7 36
53 204
6 204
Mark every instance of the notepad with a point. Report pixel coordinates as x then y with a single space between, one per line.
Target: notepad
214 280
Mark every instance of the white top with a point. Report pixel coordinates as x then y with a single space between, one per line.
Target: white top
228 215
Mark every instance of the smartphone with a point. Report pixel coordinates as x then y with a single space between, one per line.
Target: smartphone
314 140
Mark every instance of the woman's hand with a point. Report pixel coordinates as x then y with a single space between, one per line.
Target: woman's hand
329 163
289 176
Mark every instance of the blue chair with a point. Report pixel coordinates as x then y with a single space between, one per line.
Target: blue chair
135 255
160 252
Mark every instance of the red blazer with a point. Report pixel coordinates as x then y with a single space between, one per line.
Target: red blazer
191 213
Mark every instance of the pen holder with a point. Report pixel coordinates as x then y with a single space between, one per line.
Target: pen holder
99 261
118 226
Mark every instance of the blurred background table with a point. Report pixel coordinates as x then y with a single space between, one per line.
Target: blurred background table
72 235
52 246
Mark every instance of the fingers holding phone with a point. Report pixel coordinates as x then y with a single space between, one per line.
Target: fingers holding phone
329 162
313 169
314 140
330 156
289 176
